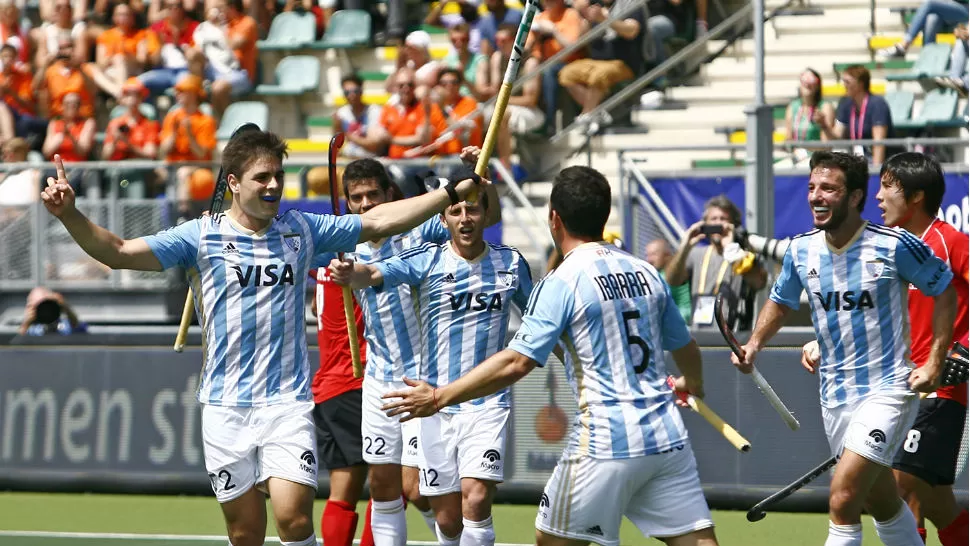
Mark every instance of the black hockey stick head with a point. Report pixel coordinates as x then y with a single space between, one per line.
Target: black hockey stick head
723 326
756 514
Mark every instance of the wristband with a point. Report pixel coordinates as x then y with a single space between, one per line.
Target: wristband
452 194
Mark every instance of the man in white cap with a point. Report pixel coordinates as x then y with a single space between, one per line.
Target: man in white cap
416 56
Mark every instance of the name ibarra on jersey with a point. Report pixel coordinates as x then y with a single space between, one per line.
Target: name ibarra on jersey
845 301
260 275
614 286
476 302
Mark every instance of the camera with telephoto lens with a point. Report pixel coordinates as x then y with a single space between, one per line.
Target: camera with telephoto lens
762 246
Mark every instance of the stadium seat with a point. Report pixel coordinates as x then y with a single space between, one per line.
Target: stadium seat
295 75
939 109
347 28
242 112
900 105
931 63
892 64
145 108
289 30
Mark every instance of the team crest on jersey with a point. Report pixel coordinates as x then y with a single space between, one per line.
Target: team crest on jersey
292 240
507 278
874 268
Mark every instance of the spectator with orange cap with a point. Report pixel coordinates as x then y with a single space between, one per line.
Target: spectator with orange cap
131 135
188 134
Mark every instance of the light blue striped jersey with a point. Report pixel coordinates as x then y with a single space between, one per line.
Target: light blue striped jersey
250 292
615 317
390 316
858 297
464 307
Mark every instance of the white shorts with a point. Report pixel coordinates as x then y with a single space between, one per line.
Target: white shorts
246 446
874 426
384 437
586 498
453 446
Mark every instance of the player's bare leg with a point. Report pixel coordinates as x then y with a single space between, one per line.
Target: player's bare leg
545 539
476 511
860 483
703 537
388 522
447 512
341 509
293 510
936 503
409 478
246 518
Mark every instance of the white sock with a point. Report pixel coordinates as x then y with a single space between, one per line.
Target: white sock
844 535
442 539
308 541
388 523
900 530
428 518
477 533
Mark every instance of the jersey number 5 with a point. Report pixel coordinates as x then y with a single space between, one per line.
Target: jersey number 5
634 315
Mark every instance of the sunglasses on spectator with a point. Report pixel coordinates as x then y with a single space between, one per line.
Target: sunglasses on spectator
448 81
352 91
405 84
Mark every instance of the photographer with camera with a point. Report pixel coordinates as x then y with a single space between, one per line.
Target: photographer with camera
723 266
47 312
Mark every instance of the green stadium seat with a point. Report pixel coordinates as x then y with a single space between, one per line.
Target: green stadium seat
295 75
892 64
242 112
939 108
145 108
348 28
289 30
932 62
900 105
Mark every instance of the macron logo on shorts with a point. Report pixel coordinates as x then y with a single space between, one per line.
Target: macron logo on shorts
413 445
309 462
877 437
492 460
543 506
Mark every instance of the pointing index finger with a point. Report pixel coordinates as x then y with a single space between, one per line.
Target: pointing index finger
61 176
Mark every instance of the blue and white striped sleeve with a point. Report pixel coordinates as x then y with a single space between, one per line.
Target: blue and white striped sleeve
546 316
176 246
409 267
673 330
788 286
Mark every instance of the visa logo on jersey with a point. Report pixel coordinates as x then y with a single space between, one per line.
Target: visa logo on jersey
264 275
476 302
849 300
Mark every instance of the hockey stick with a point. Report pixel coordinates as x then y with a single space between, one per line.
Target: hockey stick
759 379
759 511
714 419
954 373
504 92
335 144
215 207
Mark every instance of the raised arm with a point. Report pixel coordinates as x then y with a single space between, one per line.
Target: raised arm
99 243
399 216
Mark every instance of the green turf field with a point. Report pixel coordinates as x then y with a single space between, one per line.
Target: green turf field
197 521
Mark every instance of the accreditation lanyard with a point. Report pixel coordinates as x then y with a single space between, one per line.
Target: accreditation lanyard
720 273
855 130
798 122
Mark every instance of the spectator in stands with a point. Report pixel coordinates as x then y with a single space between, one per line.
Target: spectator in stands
131 135
957 79
416 56
700 23
188 134
667 18
16 93
806 115
930 16
464 114
522 115
12 33
47 312
358 121
721 267
659 254
71 134
498 14
556 27
860 115
614 57
60 27
467 16
22 186
125 50
62 75
321 12
175 34
158 10
461 57
411 122
243 34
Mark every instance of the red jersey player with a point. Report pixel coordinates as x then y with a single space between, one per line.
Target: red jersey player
911 191
337 411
